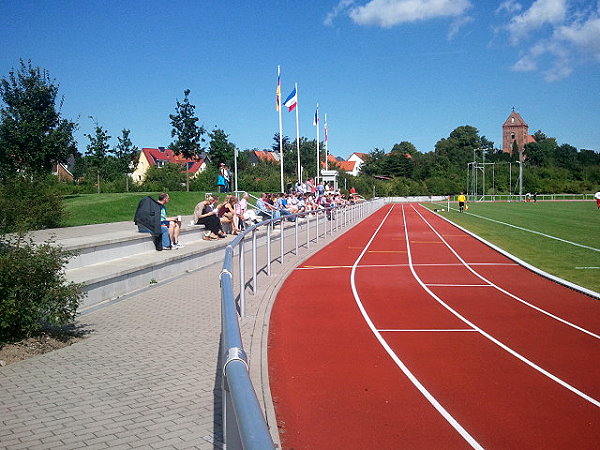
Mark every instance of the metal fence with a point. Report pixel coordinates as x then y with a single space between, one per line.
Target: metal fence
244 424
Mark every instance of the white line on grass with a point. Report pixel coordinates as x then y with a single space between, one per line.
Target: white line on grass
536 232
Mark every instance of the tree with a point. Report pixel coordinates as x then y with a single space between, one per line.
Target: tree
33 135
188 134
127 155
98 152
219 147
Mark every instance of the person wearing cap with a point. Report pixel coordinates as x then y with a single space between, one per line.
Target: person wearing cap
221 181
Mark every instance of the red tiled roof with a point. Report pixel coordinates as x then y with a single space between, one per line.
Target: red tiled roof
155 154
265 155
529 139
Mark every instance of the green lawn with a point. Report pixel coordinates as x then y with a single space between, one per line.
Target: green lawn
85 209
577 222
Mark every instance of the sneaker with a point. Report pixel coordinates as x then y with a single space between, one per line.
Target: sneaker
178 245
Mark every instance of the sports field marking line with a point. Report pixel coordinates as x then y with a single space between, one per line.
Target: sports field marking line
592 267
430 398
408 330
536 232
458 285
402 265
489 336
504 291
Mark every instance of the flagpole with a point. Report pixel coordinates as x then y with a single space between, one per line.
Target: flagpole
298 138
326 131
280 128
317 125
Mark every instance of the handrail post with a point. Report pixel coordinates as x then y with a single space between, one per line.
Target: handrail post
281 233
254 268
307 231
269 249
242 278
296 235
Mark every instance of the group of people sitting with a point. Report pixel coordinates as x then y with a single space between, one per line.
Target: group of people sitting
232 215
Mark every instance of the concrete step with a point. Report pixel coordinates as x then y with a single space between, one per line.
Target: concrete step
117 277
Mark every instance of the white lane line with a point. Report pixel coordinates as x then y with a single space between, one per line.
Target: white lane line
536 232
449 330
458 285
404 265
430 398
504 291
485 334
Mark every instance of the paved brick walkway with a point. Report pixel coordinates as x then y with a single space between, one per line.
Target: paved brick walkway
145 376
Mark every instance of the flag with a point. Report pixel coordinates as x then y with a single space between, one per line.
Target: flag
292 100
325 128
278 90
316 118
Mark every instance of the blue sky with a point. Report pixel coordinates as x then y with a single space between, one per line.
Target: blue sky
383 71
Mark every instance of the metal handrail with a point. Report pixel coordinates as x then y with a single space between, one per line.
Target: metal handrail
244 425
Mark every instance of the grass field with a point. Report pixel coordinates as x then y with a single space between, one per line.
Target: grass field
577 222
85 209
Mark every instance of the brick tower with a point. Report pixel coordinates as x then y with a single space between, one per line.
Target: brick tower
514 130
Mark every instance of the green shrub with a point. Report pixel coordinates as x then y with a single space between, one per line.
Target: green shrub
30 203
34 293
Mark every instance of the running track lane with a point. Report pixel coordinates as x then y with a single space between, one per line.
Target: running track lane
494 356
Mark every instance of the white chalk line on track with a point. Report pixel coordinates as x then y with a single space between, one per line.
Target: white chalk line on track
402 265
425 331
445 414
487 335
504 291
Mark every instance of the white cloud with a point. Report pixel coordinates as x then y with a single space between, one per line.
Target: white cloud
457 24
387 13
564 34
540 13
585 36
510 6
340 8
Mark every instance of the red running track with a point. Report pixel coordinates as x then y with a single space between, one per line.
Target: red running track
408 333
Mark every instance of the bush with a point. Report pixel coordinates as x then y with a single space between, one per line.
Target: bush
30 203
34 293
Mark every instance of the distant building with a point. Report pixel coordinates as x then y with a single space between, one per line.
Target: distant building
161 156
257 156
515 131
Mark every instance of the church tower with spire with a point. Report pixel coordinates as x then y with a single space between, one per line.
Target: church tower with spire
515 132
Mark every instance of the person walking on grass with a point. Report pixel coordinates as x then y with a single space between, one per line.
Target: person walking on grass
597 197
462 201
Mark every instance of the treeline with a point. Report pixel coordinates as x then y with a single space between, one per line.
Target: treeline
548 167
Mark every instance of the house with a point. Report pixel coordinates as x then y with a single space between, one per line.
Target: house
161 156
257 156
350 167
62 172
515 131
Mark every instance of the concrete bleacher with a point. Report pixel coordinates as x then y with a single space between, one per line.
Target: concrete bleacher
115 259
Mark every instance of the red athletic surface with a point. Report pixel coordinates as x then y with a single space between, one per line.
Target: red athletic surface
335 386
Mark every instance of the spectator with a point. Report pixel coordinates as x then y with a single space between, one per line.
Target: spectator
264 208
173 224
206 214
147 218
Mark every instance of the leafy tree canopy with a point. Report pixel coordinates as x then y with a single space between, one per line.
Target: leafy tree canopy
33 135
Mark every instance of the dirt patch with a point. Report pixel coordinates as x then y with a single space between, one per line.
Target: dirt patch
33 346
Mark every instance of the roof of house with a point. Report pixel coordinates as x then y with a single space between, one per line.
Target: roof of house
347 166
529 139
265 155
361 155
153 155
